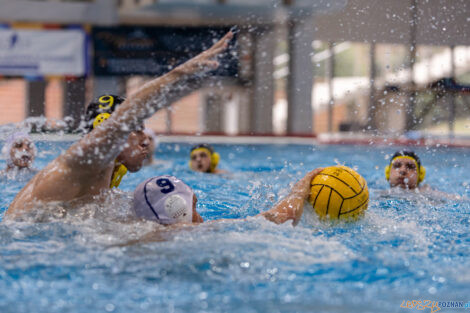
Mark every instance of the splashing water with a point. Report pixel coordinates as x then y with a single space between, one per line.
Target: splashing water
85 259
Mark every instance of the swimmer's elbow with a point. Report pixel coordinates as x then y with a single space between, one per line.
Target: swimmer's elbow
12 212
277 217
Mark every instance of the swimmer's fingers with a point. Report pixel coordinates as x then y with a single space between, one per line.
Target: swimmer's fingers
302 187
314 173
219 46
311 175
205 60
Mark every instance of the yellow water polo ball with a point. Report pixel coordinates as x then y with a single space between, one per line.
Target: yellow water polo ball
339 192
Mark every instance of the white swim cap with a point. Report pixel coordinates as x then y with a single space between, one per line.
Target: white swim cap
164 199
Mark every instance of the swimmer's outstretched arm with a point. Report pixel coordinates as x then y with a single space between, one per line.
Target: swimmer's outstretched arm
104 143
292 206
437 193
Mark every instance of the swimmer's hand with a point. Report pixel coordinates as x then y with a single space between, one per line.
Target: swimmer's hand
292 206
205 61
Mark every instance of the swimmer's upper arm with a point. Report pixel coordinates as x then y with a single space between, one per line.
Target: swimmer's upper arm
103 144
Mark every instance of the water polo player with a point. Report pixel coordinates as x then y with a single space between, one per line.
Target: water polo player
168 200
86 168
19 152
203 158
405 170
137 146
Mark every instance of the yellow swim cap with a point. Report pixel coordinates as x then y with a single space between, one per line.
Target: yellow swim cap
100 109
407 155
97 112
215 157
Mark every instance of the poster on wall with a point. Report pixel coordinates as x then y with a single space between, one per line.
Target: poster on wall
156 50
42 52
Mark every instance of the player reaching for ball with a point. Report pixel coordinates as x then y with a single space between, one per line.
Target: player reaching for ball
339 192
168 201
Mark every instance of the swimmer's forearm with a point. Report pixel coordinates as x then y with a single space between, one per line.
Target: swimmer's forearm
289 208
292 206
157 93
104 143
153 96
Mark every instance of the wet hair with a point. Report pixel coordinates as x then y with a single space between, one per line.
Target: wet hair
406 153
102 104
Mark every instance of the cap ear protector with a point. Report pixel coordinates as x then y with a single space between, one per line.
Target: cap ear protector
100 118
422 174
387 172
118 174
214 156
421 169
97 112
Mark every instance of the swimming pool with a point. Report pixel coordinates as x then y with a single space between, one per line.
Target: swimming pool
408 247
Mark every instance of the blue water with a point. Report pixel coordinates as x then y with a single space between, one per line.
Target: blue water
408 247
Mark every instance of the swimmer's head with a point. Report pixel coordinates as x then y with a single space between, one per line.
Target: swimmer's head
100 110
203 158
137 145
166 200
19 150
405 170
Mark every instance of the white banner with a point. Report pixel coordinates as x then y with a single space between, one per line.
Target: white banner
42 52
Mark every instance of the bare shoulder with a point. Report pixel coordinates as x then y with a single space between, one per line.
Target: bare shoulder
40 183
56 182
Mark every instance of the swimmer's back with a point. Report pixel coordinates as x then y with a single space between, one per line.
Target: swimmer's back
57 182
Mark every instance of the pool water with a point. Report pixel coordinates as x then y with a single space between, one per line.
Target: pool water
408 246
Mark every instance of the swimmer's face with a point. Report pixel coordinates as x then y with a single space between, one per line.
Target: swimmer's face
200 161
403 174
22 153
135 151
151 149
196 217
